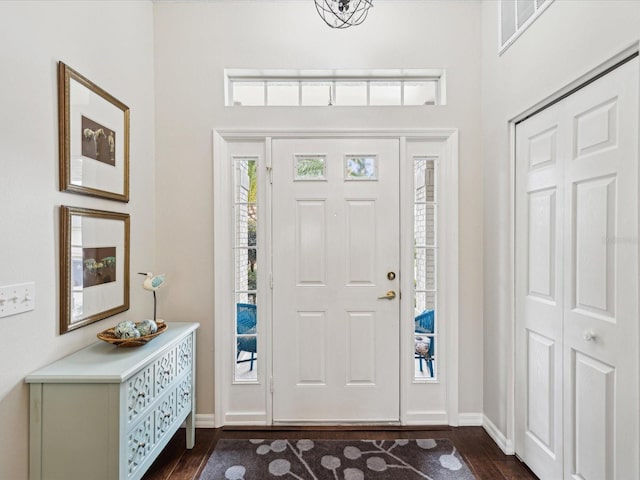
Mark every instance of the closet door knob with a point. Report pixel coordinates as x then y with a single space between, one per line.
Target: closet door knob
589 336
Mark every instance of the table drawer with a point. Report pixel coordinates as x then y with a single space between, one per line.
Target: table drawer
165 414
183 395
185 355
140 441
164 371
140 393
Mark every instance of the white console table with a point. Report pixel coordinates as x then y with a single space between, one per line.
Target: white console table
105 413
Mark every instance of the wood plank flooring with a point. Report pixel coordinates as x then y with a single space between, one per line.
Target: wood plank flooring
482 455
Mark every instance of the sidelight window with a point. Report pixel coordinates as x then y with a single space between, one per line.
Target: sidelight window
246 268
425 268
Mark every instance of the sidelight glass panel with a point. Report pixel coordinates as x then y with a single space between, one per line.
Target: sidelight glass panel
424 180
424 227
425 269
245 185
245 254
246 269
246 339
246 216
425 359
425 301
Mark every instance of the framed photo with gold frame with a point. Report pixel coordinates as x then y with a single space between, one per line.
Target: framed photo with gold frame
94 266
93 138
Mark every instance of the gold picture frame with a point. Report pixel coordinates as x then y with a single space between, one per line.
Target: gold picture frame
94 266
93 138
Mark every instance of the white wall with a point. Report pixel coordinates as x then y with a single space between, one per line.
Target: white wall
568 40
111 43
195 41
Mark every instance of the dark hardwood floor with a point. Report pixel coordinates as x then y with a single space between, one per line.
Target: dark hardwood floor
482 455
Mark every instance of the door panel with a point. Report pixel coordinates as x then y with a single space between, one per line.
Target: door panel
601 288
542 244
577 283
310 254
594 268
539 301
335 343
312 337
594 382
541 407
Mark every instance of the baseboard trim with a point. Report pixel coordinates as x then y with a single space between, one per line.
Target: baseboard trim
470 419
503 442
205 420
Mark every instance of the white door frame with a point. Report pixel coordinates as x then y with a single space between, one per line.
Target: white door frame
447 139
506 440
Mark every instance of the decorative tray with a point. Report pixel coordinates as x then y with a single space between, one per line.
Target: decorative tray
109 337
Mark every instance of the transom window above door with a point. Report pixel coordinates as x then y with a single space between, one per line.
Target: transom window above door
293 88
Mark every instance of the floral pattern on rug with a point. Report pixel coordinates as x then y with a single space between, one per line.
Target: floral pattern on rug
427 459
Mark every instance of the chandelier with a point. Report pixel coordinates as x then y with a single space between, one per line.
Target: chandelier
343 13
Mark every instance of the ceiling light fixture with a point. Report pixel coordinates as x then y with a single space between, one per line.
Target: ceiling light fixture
343 13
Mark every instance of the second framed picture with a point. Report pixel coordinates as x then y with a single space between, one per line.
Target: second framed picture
94 266
94 138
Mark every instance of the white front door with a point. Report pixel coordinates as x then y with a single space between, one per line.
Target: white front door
335 241
577 283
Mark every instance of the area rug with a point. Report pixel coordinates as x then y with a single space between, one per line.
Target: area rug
335 460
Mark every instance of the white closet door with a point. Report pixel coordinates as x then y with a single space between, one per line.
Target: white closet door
601 279
539 300
577 283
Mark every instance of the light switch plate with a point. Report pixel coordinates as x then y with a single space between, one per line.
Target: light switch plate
17 298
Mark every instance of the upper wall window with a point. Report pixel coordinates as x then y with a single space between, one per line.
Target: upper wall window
277 88
516 16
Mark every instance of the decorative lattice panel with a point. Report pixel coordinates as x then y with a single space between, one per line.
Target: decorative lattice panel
165 415
184 395
139 443
185 355
165 371
139 393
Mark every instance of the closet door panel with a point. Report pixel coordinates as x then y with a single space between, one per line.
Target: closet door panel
539 299
601 283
